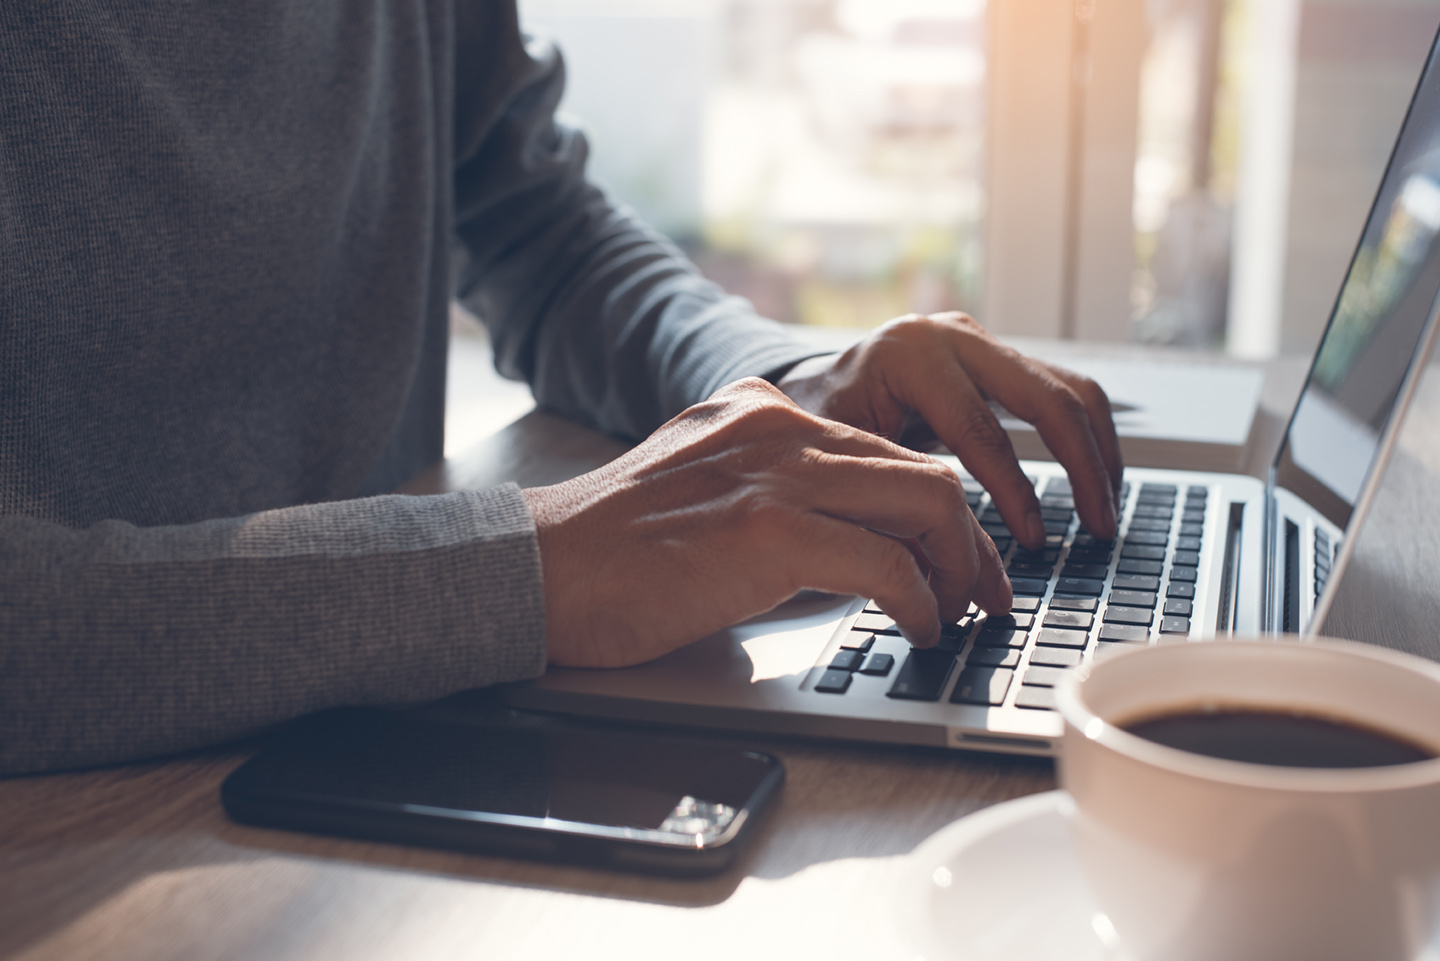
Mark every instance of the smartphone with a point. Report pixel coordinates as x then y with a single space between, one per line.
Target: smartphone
618 800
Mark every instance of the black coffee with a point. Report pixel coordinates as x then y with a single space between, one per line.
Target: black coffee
1287 740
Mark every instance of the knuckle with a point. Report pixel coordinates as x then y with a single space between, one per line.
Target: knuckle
903 330
978 427
1091 391
1066 401
946 489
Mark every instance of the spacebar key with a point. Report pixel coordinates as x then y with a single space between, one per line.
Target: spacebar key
923 675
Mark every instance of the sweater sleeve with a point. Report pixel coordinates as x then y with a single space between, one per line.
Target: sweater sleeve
607 320
143 641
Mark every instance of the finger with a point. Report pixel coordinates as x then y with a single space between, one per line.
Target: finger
1102 423
943 392
841 558
1031 392
923 503
992 587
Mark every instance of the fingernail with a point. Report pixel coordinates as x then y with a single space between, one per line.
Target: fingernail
1036 524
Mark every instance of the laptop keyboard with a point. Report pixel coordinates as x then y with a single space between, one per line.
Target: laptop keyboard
1075 596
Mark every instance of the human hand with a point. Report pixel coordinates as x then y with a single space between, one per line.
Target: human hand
733 507
920 378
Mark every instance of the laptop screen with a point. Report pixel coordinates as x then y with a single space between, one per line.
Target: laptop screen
1376 327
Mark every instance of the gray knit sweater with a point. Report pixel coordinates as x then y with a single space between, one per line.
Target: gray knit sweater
229 234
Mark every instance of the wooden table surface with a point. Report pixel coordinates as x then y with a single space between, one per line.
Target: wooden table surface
139 862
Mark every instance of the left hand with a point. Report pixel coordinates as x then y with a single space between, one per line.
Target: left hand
917 379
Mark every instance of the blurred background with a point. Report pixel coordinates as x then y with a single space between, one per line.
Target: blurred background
1185 172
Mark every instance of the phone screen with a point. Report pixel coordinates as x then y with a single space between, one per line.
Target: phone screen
658 790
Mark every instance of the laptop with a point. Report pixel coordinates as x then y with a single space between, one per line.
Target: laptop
1198 555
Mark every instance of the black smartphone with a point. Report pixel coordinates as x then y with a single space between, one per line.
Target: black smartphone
618 800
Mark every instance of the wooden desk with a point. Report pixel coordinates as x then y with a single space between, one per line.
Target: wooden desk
139 861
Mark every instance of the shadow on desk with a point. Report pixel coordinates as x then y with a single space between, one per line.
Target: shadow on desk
86 854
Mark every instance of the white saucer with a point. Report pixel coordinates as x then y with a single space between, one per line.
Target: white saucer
1003 885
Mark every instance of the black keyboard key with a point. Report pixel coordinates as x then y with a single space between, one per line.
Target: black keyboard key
1180 589
1143 552
1124 634
1030 570
876 623
1178 607
1028 585
1057 485
1186 574
1192 530
1056 527
923 675
1158 524
1000 637
1087 586
982 685
1027 556
1190 516
878 664
1086 541
1187 543
1174 625
1129 615
1055 656
1024 605
1186 559
1152 487
994 657
833 682
1054 540
1148 510
1043 676
996 530
1195 491
1146 539
1090 555
1057 512
846 660
1020 620
1036 698
1094 571
1069 620
1133 598
952 633
1135 582
1059 638
1074 604
1132 565
858 641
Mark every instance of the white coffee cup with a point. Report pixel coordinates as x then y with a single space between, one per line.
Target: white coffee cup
1195 858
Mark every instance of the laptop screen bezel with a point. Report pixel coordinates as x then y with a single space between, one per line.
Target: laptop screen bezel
1311 489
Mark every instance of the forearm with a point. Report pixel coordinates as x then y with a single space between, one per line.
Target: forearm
605 318
121 642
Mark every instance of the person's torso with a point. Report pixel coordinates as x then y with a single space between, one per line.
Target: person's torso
222 254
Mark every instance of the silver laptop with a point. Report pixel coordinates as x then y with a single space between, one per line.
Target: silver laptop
1199 555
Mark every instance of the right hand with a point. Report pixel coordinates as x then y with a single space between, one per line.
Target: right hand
733 507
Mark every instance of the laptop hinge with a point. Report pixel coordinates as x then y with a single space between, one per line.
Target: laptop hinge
1230 574
1268 615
